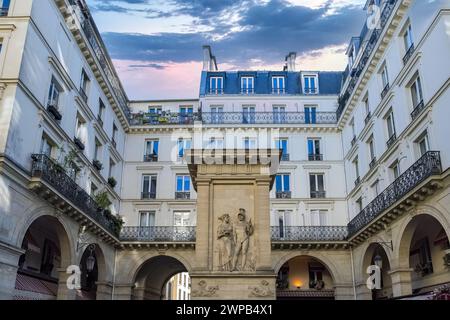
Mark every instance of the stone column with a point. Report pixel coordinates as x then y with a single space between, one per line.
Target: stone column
202 262
104 290
401 281
123 291
362 292
262 225
9 261
64 293
344 291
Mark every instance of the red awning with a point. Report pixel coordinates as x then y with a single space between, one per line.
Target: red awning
26 284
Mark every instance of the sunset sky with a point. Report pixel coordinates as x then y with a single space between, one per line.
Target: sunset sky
156 45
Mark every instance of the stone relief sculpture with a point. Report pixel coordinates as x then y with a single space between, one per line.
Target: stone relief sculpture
204 290
262 291
234 241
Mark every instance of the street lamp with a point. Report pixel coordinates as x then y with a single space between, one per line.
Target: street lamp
90 261
378 261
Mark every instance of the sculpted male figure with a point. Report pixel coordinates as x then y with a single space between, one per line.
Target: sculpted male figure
225 235
242 232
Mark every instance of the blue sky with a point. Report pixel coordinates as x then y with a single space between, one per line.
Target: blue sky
156 45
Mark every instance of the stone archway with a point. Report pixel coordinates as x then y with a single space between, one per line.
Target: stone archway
152 276
93 270
376 251
422 249
47 251
305 277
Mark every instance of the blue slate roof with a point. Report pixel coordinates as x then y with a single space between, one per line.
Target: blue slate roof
329 81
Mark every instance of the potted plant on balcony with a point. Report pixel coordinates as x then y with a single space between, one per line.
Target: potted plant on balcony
102 200
112 182
98 165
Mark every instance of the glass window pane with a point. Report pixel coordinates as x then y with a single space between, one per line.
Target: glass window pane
179 183
286 183
320 182
312 182
278 183
146 184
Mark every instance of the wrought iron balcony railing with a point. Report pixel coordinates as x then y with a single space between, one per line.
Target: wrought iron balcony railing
182 195
368 50
79 143
318 194
418 110
283 194
53 109
285 157
52 173
373 163
428 165
148 195
158 234
325 233
357 181
391 140
139 119
310 90
151 158
315 157
408 54
283 117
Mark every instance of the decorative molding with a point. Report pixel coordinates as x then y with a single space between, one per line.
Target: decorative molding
261 291
205 290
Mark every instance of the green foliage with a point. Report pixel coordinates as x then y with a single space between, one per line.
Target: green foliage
102 200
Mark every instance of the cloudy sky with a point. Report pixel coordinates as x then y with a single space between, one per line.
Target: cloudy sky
156 45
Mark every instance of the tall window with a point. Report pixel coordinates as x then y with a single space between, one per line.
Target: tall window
155 110
101 111
183 145
97 150
423 144
282 144
112 166
367 107
385 77
359 205
183 185
186 114
319 218
279 114
310 83
310 114
390 122
216 114
215 143
181 218
356 165
114 135
216 85
248 114
54 94
151 150
352 126
283 186
408 38
416 92
149 187
250 143
84 85
46 146
146 219
395 168
284 221
314 153
278 85
371 145
80 130
316 186
247 85
94 189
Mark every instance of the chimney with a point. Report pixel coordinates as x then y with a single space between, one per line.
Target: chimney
209 61
290 61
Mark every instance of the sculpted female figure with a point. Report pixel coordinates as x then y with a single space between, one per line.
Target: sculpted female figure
225 235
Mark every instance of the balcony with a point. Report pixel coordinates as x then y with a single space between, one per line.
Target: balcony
215 91
53 110
279 91
164 118
318 194
324 233
182 195
79 143
428 165
97 165
373 163
408 54
247 91
148 195
48 177
283 194
158 234
385 91
151 158
310 90
418 110
315 157
285 157
391 140
367 119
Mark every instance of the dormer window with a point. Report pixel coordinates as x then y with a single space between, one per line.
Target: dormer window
278 85
216 85
310 84
247 85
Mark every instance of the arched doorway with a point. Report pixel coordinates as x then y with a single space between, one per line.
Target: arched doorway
424 248
153 276
47 248
305 278
178 287
376 256
92 267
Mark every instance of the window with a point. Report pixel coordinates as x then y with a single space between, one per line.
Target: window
310 114
46 147
112 166
279 114
376 188
359 205
93 189
183 185
384 81
54 94
416 92
371 149
316 186
146 219
149 187
420 256
282 144
216 114
351 57
278 85
315 276
4 7
215 143
314 150
390 124
284 222
80 129
216 85
283 186
247 85
395 168
183 144
367 107
151 150
181 218
408 38
101 112
248 114
155 110
352 125
97 150
356 165
249 143
114 135
423 144
310 84
84 85
319 218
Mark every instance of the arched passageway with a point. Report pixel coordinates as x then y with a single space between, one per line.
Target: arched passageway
153 275
376 255
92 267
47 249
305 278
